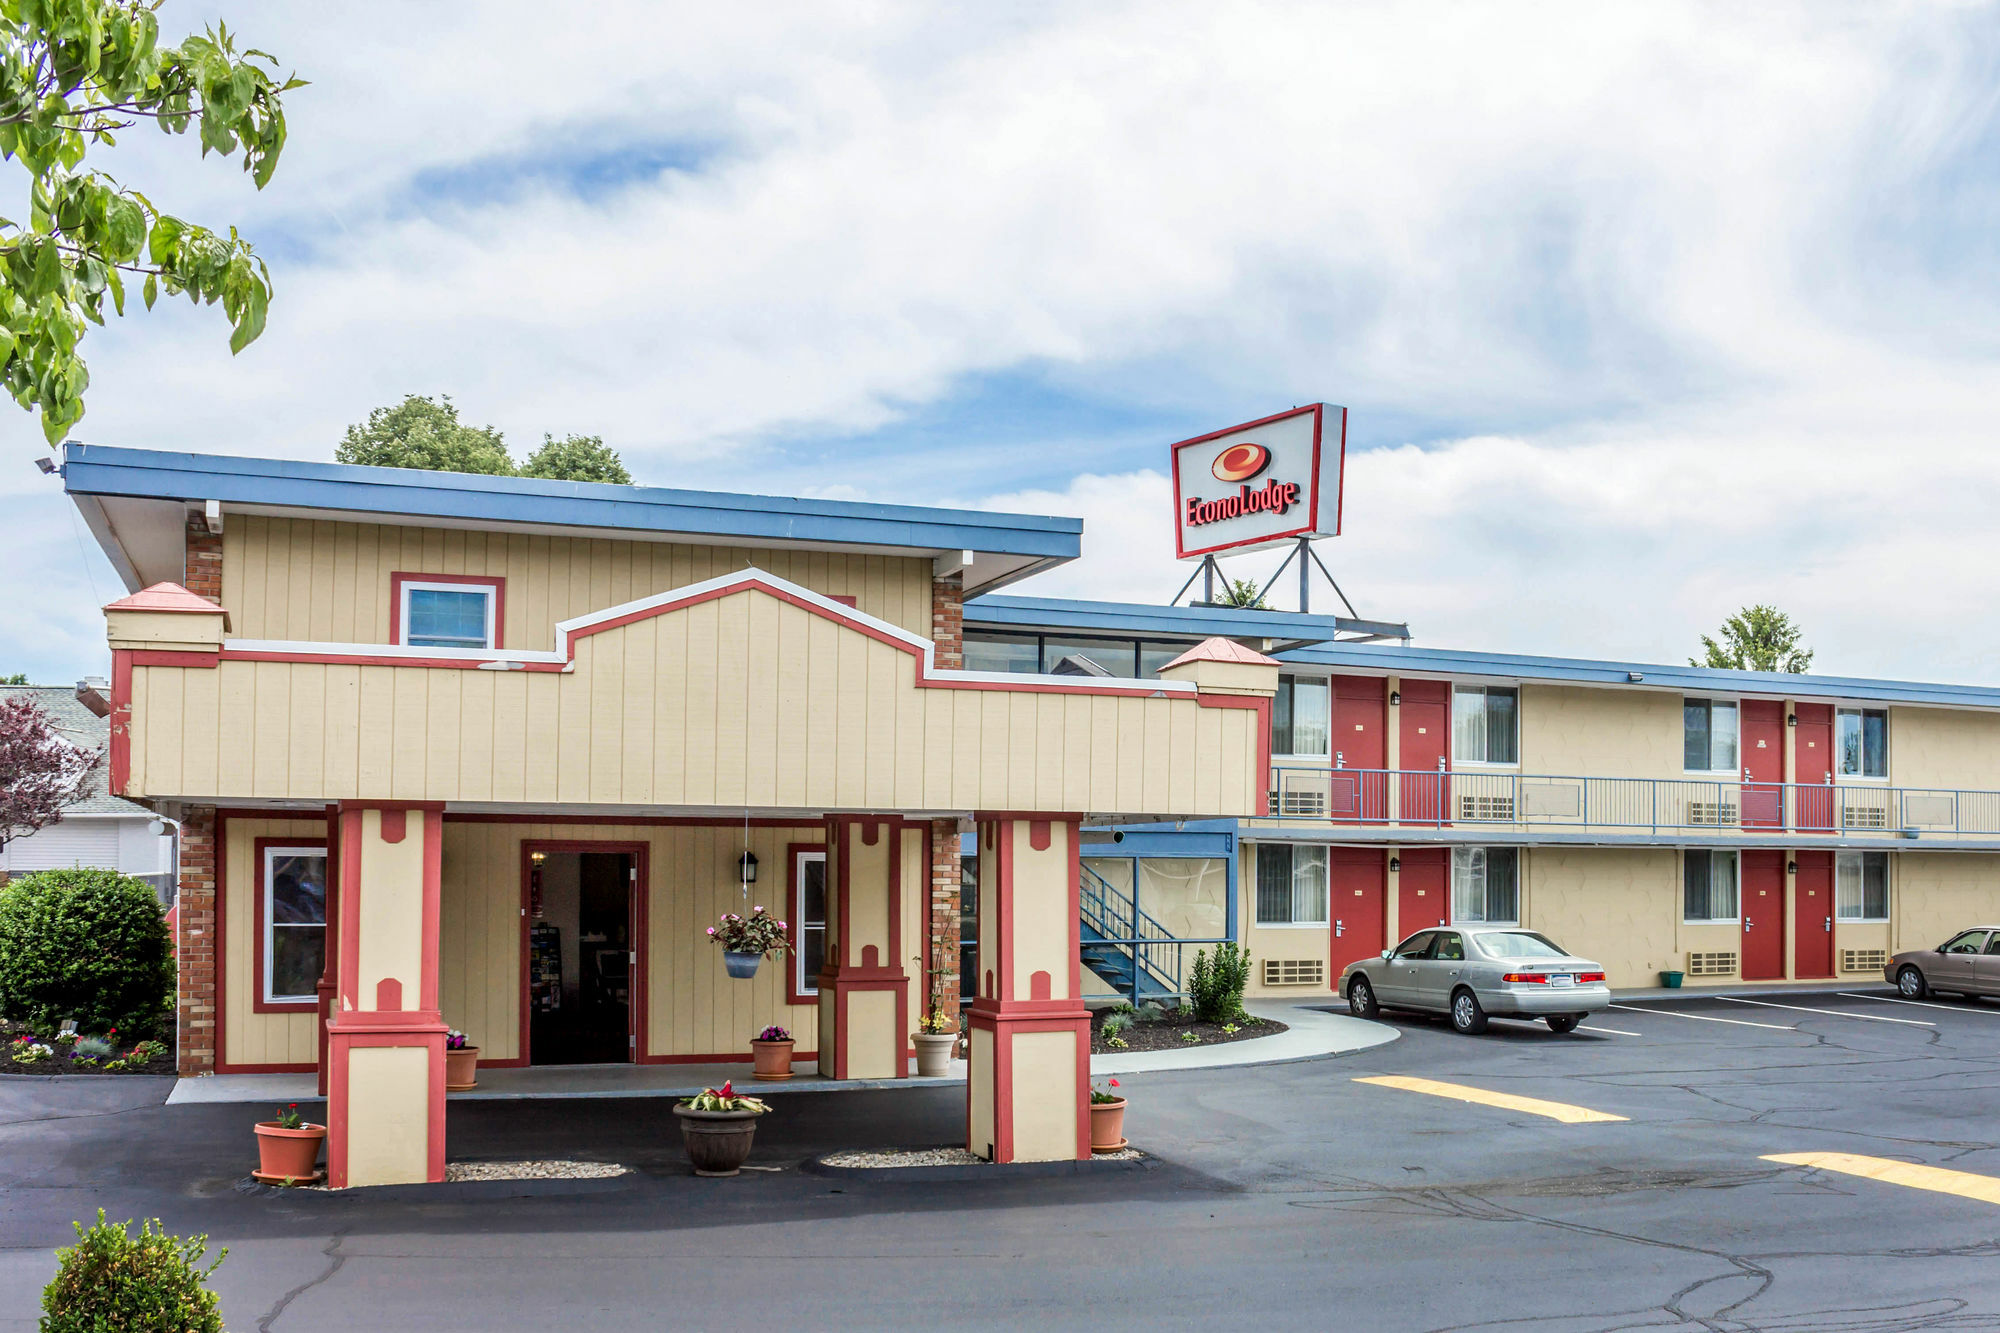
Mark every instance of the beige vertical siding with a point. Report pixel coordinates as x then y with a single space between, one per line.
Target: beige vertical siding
1938 747
692 1006
742 700
1600 733
324 581
248 1037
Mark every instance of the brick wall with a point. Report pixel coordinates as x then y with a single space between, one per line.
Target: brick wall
195 948
203 573
948 621
944 909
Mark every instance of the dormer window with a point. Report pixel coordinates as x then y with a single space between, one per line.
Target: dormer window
446 610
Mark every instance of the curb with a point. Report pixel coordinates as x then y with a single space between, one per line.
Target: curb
995 1171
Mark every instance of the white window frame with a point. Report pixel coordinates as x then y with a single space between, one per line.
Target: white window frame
803 985
1855 859
272 925
1736 863
1461 761
491 591
1325 895
1733 771
1325 682
1456 919
1839 756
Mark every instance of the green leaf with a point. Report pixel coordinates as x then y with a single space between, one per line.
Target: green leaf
152 290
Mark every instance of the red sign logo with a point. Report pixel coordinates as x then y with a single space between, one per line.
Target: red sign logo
1240 462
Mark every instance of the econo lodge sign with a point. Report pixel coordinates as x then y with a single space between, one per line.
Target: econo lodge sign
1260 484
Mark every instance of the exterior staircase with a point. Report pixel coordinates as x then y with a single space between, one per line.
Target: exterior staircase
1127 949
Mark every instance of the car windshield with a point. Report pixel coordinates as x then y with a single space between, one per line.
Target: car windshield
1518 944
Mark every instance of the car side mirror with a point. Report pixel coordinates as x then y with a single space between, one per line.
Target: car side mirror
1387 954
1940 948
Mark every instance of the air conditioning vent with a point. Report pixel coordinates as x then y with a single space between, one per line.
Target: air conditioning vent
1295 971
1717 963
1494 808
1311 803
1865 816
1863 960
1711 812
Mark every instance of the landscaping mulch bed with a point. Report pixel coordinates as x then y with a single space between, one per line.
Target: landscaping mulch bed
1169 1034
63 1061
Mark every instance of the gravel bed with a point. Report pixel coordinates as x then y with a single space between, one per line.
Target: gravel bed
543 1170
941 1157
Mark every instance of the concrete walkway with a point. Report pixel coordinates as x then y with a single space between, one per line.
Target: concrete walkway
1314 1032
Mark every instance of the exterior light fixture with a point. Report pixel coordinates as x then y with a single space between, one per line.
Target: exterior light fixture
1791 719
537 857
1395 864
1395 698
747 865
1791 867
1635 676
47 465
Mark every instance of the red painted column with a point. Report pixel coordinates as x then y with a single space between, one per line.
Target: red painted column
864 989
1028 1085
385 1040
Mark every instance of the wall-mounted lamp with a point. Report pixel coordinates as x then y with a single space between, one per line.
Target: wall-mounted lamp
1635 676
1395 864
1395 698
746 866
1791 719
1791 867
538 857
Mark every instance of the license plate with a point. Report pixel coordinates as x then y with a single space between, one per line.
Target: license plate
1561 979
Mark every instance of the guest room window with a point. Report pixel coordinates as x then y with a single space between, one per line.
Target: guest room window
292 903
808 917
447 610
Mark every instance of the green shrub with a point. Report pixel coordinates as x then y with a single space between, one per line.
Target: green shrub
1215 986
84 944
113 1279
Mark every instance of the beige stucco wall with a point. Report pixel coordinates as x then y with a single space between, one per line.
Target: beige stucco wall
1600 733
742 700
1933 896
1938 747
251 1038
328 581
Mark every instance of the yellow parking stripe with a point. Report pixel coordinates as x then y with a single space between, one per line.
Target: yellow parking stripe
1563 1111
1937 1179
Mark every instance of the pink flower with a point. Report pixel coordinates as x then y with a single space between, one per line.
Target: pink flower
756 909
1114 1082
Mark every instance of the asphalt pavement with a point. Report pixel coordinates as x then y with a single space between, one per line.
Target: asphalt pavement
1804 1162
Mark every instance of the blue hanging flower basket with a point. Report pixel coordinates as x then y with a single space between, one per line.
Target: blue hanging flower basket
742 966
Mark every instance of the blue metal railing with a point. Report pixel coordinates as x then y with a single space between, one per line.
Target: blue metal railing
1138 951
1439 799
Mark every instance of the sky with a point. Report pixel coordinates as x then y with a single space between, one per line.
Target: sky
1642 313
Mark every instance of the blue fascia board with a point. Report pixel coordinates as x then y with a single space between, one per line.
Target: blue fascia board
1394 660
1132 618
154 474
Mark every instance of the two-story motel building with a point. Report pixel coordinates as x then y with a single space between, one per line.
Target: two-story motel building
491 753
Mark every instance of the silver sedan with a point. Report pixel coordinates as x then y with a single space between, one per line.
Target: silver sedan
1472 973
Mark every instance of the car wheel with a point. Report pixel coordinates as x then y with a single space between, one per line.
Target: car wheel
1561 1023
1361 999
1911 983
1466 1015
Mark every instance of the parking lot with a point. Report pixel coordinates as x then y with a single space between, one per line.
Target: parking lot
1647 1171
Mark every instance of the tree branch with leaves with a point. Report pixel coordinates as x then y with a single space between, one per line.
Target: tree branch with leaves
73 74
42 772
1757 638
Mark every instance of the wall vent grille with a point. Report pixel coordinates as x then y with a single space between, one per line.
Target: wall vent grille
1496 808
1298 803
1865 816
1718 813
1715 963
1295 971
1863 960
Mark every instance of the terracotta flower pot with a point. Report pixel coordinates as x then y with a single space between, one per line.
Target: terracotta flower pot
288 1154
934 1053
461 1069
773 1059
1107 1126
718 1142
742 966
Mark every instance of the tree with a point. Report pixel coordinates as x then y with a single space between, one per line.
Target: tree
41 771
1243 593
577 458
1757 638
72 74
422 432
18 678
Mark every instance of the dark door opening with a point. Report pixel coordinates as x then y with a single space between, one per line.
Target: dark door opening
580 947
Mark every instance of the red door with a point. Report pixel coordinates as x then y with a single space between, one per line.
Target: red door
1812 763
1423 891
1763 916
1426 744
1360 742
1763 763
1812 949
1357 887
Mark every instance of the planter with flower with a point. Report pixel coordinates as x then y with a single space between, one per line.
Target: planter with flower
771 1052
288 1148
746 939
461 1062
718 1126
1107 1119
936 1037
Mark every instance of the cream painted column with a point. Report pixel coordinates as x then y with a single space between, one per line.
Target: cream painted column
864 991
1028 1087
385 1042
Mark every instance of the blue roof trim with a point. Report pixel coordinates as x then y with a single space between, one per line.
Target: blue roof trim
153 474
1698 680
1135 618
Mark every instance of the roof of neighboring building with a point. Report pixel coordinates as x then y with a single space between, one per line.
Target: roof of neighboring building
135 499
83 727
